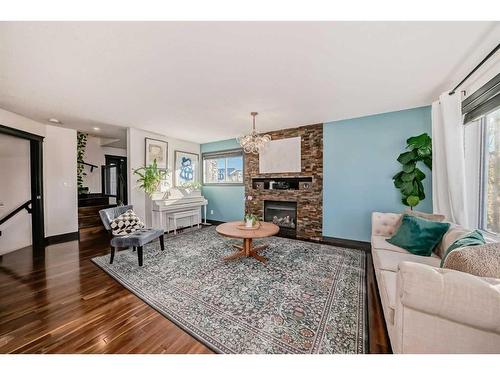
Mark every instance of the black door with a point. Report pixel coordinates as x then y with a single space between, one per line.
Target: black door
36 202
114 178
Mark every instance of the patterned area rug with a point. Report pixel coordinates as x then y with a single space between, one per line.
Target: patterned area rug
309 298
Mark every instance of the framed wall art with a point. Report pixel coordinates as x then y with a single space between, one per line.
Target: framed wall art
156 150
185 168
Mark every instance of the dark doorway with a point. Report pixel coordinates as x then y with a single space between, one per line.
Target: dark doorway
114 178
35 205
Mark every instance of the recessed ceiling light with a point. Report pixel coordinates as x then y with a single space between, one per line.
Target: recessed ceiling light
54 121
96 128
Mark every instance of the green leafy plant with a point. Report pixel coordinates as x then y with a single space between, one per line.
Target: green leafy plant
409 180
150 177
81 144
191 185
251 217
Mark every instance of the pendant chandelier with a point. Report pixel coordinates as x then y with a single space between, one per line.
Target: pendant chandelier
253 142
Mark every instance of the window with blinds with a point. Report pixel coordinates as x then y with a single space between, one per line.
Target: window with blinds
482 153
223 168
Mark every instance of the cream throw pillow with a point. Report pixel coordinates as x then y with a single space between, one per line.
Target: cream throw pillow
453 234
481 260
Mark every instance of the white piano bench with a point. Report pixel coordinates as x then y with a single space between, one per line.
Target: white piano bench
194 216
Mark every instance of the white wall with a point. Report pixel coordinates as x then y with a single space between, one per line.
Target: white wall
59 158
13 120
15 189
94 154
136 149
59 176
114 151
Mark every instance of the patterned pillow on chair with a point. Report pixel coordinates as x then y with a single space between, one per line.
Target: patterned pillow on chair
126 223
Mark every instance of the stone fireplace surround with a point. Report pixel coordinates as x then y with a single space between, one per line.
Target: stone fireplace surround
310 201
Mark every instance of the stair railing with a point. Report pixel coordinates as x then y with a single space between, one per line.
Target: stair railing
24 206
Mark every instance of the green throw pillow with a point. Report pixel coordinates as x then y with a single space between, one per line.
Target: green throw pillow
473 238
418 236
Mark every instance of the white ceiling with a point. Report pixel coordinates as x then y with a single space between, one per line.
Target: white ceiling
200 80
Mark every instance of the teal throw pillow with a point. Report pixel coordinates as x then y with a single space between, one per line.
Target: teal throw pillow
418 236
473 238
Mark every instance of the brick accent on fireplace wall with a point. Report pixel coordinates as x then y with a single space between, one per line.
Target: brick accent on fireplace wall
309 202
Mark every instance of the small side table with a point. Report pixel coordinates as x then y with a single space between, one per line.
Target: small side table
233 230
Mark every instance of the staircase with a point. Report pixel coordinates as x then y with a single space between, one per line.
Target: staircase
89 222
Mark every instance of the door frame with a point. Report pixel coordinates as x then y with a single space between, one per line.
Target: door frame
36 176
121 170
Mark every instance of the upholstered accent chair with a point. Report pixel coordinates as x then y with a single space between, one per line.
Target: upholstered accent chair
135 240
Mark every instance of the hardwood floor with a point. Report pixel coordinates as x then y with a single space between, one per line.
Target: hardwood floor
66 304
378 341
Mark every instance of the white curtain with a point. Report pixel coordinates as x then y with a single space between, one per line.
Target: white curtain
472 149
448 161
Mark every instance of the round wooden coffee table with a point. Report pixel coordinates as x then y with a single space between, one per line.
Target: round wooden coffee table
234 230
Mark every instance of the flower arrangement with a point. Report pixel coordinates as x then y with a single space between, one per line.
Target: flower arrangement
251 220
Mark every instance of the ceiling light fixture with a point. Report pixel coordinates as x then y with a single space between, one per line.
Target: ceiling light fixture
253 142
96 128
54 120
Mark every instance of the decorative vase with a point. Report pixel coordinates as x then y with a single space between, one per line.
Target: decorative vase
249 223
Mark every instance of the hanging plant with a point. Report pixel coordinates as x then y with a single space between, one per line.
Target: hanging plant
80 153
409 180
150 177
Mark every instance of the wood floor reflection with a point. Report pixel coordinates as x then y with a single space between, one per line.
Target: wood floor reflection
66 304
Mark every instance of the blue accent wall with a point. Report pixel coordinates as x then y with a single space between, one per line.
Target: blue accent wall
226 201
359 160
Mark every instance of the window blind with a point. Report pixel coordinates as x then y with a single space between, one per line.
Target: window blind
483 101
222 154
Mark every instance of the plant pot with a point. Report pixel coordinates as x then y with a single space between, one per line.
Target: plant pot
83 190
157 196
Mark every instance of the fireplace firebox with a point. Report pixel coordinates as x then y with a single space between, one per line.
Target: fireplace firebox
283 214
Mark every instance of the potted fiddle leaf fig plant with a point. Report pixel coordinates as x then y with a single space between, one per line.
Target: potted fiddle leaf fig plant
150 177
409 180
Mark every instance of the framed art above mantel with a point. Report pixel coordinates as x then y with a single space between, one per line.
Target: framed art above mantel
281 156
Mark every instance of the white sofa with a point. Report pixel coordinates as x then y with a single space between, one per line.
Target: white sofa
428 309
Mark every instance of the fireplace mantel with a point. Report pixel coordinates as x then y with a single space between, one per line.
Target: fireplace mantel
282 183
